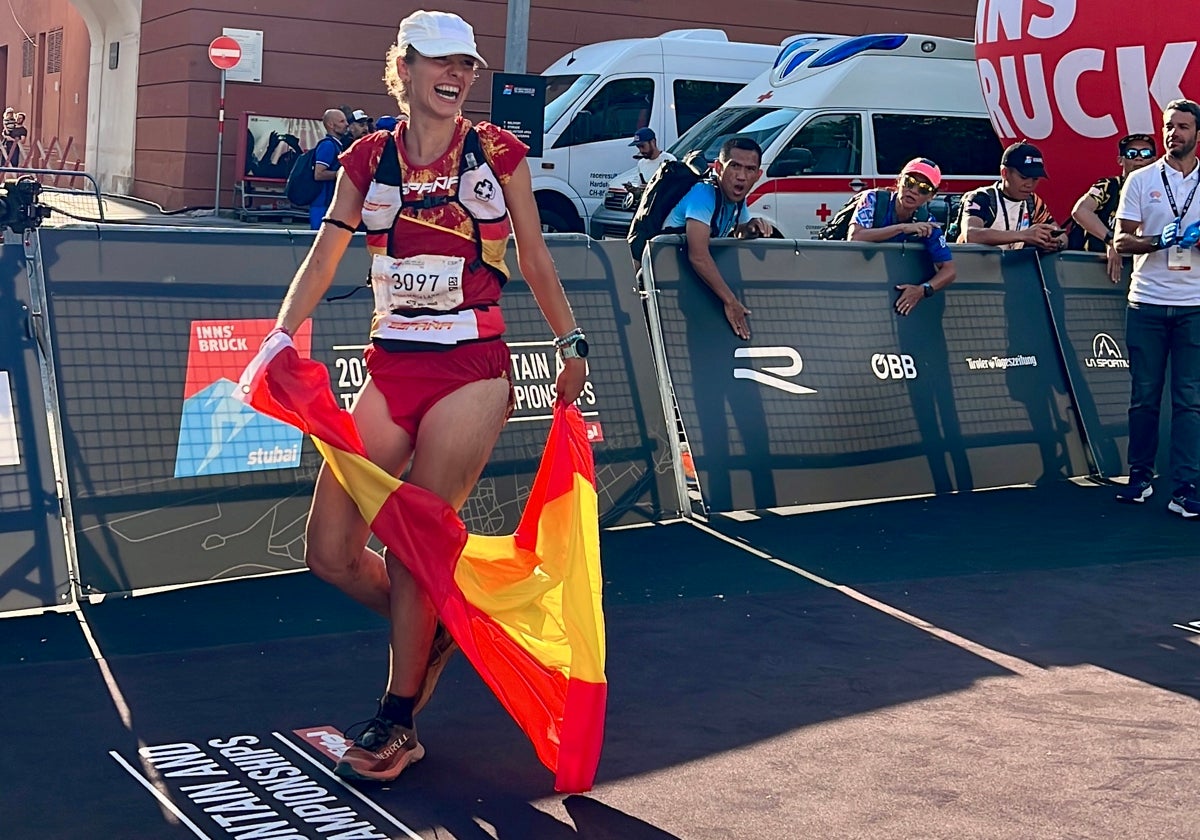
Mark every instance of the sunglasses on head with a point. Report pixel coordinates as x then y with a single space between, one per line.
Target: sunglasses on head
923 187
1134 154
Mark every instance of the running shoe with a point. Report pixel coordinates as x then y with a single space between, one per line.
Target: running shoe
1138 490
1184 502
380 752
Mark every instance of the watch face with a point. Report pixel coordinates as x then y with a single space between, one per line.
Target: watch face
581 348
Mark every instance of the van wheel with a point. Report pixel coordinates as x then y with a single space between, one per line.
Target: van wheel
554 221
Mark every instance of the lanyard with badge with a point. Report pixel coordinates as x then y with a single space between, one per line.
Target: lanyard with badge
1023 220
1178 258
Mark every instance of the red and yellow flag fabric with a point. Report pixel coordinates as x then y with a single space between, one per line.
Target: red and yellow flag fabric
525 609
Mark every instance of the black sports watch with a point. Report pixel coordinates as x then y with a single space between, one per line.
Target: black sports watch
576 347
928 290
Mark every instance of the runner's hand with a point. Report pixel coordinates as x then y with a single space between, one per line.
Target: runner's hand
571 380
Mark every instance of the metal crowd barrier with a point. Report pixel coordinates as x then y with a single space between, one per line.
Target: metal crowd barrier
125 464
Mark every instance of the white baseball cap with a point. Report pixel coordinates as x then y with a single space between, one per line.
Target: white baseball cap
438 34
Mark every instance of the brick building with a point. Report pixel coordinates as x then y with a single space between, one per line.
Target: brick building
130 81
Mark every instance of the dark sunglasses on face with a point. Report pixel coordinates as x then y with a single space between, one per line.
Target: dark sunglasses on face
1134 154
923 187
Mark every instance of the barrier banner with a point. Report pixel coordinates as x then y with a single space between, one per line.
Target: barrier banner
173 481
33 558
836 397
1089 311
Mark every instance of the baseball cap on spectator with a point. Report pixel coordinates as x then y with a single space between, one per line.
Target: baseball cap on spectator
1124 142
926 168
360 116
385 123
642 135
1026 158
437 35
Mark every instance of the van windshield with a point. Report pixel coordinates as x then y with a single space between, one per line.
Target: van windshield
561 93
763 124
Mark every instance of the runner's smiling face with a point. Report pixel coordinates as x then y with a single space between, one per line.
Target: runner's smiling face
438 87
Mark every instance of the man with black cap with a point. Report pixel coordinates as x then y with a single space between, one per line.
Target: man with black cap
1010 214
649 156
1096 210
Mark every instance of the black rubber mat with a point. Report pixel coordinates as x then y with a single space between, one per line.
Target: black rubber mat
746 700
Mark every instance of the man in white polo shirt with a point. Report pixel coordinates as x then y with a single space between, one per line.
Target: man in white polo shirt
1159 218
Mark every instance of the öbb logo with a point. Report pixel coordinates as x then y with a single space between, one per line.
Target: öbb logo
1074 76
893 366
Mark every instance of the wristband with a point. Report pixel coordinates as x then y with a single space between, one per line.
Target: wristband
567 338
1108 239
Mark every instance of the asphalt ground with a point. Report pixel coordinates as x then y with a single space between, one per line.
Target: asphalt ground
1014 664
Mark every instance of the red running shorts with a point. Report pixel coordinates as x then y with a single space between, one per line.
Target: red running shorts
412 381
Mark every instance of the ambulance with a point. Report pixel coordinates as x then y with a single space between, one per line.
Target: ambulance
838 114
598 95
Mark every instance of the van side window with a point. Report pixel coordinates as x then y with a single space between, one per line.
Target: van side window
829 144
959 145
695 99
617 110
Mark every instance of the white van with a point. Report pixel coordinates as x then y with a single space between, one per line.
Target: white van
598 95
838 114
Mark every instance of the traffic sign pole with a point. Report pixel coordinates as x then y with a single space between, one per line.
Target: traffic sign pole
224 53
220 140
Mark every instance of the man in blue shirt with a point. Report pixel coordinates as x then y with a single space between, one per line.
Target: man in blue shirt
918 183
718 209
326 165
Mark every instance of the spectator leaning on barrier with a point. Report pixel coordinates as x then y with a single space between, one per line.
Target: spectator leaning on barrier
1160 224
325 164
1096 210
1010 214
918 183
718 208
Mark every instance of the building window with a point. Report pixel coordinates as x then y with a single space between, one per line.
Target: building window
54 51
28 56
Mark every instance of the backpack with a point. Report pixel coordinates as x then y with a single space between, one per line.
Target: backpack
302 188
837 229
956 230
667 187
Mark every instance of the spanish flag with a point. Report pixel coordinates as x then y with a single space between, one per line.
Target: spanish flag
526 608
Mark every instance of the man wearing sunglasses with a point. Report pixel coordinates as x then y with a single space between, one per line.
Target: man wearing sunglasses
1010 214
891 216
1096 210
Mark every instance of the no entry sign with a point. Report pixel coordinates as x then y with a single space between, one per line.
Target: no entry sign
224 52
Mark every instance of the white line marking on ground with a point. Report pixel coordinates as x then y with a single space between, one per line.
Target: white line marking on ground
1004 660
298 751
741 516
157 794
